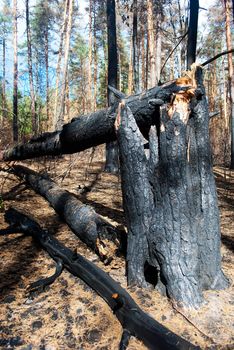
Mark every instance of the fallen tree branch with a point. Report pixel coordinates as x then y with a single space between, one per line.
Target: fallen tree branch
95 128
92 229
135 322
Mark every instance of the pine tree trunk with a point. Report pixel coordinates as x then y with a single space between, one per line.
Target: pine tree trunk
58 68
15 73
112 158
130 70
135 48
90 97
4 105
170 201
47 63
192 32
158 55
30 71
151 42
228 6
142 50
95 60
60 121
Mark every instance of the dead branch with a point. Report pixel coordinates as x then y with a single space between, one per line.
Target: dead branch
135 322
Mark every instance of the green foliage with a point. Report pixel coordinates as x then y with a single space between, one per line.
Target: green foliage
5 20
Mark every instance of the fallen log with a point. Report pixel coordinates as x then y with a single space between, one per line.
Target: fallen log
95 128
92 229
135 322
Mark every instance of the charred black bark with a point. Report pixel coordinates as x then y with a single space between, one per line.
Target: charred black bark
180 225
137 197
112 153
112 158
93 230
134 321
94 129
192 32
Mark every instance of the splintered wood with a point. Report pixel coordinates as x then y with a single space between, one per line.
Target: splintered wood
181 100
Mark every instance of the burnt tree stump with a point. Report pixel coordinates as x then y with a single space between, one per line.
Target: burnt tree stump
170 199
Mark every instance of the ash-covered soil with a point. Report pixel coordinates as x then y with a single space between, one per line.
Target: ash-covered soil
68 314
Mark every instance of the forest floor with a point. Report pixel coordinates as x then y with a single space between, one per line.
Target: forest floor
68 314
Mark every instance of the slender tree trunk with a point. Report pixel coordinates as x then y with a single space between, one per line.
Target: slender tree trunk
4 105
172 67
130 70
112 157
143 83
65 67
158 53
58 69
95 59
90 97
147 62
30 71
151 43
15 73
135 47
67 98
228 6
192 33
47 63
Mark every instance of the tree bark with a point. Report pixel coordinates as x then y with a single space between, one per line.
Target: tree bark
94 231
135 322
192 33
95 59
96 128
90 97
228 6
47 60
158 54
112 156
15 73
4 105
130 69
135 47
58 68
170 200
60 121
30 71
151 44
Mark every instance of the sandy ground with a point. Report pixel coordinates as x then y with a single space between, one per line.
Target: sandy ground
68 314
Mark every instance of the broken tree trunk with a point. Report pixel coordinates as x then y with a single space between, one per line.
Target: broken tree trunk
170 199
91 228
96 128
135 322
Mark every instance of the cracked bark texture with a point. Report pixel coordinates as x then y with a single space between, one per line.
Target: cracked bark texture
137 197
180 224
